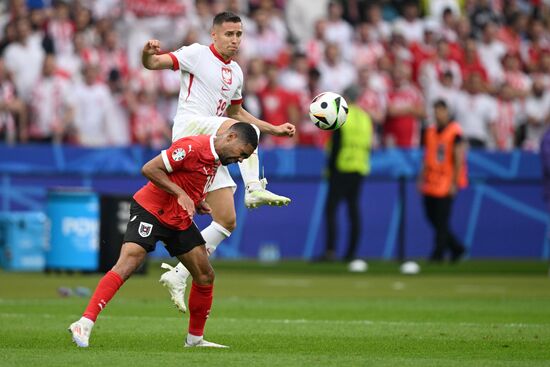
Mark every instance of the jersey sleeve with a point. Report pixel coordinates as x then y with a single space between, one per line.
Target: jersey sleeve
238 95
186 58
181 155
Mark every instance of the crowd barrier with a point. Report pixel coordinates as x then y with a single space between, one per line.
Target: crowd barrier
500 215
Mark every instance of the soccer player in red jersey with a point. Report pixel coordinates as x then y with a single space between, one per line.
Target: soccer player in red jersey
211 85
163 210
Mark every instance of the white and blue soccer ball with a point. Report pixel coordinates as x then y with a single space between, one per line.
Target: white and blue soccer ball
328 111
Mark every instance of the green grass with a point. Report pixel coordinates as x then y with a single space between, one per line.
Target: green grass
295 314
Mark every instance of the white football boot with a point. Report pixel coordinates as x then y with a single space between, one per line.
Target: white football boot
255 197
81 330
203 344
176 284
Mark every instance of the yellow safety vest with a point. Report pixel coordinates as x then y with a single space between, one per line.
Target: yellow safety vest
355 144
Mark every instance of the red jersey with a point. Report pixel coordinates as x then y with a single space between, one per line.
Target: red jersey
403 130
191 163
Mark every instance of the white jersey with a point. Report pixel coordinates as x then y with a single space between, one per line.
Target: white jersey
208 83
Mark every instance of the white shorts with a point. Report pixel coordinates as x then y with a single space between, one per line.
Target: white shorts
204 125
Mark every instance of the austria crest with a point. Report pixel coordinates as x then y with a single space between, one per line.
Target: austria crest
145 229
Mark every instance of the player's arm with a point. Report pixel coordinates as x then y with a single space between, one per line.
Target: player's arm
237 112
151 59
156 171
459 152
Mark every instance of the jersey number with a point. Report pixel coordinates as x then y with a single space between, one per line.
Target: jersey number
221 107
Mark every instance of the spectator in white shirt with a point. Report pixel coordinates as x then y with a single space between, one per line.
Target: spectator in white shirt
18 56
336 74
537 110
410 22
93 108
12 110
338 30
51 105
475 110
491 52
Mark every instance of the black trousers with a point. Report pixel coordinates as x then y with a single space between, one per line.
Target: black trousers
343 187
438 212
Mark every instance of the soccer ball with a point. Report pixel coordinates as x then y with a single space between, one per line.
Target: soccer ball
328 111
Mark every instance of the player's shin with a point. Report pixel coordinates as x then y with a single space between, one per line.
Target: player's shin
200 302
250 169
105 290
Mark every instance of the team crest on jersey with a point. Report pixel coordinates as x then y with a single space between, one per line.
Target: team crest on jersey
227 75
145 229
178 154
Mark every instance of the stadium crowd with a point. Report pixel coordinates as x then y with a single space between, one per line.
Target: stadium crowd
70 71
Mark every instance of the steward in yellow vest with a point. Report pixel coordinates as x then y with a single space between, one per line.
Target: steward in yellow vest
348 163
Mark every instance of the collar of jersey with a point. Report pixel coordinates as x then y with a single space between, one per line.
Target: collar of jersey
217 54
216 157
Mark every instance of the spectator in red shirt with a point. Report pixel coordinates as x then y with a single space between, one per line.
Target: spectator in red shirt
278 104
405 108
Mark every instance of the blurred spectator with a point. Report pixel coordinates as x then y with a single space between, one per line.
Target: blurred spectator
278 106
12 110
61 29
148 126
514 75
539 43
294 78
513 32
51 105
381 28
470 61
124 102
314 48
482 14
8 36
302 16
373 102
443 89
93 106
491 51
437 8
475 110
255 45
365 50
336 74
508 117
443 173
348 164
405 109
537 110
112 56
432 69
17 55
337 29
410 23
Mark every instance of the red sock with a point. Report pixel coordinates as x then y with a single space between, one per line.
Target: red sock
105 290
200 301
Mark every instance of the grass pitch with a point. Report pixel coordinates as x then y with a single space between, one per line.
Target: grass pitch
294 314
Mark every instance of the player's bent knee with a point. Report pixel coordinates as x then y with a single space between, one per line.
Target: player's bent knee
229 224
205 277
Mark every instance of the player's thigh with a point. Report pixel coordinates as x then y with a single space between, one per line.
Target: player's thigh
222 203
196 261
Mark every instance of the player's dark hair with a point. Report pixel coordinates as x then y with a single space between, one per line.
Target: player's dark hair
226 16
246 133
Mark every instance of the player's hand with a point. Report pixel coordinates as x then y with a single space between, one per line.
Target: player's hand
204 208
285 129
152 47
187 204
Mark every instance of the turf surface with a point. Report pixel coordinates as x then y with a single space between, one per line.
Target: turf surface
294 314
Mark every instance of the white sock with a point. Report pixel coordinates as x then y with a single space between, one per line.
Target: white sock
214 234
193 339
250 168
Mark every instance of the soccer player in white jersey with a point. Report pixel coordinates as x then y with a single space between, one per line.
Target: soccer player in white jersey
211 84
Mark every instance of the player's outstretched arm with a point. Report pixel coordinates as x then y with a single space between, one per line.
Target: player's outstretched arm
237 112
151 59
156 172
